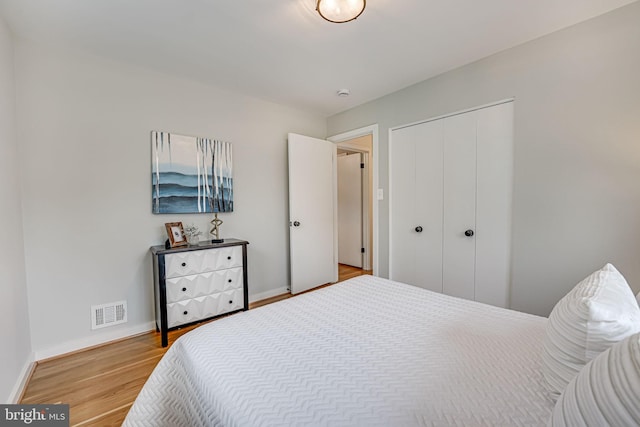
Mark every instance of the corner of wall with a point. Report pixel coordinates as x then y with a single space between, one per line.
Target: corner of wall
23 380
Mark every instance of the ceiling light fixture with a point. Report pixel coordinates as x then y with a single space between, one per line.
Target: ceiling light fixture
340 11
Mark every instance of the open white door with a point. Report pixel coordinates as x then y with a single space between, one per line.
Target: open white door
312 212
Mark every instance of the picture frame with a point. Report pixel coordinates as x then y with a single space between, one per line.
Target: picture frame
175 231
190 174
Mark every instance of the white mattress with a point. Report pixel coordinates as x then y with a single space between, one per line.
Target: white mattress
366 352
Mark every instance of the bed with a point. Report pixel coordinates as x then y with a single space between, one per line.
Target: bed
365 352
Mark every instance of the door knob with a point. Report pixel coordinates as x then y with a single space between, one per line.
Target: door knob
296 223
468 233
419 229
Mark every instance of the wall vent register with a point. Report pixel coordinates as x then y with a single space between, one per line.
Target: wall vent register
110 314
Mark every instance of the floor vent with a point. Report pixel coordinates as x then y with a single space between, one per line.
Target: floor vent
108 314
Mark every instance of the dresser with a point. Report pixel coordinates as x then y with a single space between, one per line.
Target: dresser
195 283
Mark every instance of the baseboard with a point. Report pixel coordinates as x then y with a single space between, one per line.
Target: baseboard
105 337
23 380
268 294
84 343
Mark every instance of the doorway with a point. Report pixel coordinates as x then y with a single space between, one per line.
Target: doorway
355 203
351 210
349 141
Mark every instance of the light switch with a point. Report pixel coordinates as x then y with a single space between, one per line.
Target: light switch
380 194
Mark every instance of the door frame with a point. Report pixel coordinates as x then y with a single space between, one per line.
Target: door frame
356 133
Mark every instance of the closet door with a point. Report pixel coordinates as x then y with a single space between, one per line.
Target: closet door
402 189
494 204
450 204
459 205
416 205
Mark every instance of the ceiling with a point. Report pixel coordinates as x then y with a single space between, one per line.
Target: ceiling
282 51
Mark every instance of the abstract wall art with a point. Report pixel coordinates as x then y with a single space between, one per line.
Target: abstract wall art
190 174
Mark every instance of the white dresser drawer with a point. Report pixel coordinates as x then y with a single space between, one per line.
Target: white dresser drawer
193 262
192 310
179 313
231 300
197 285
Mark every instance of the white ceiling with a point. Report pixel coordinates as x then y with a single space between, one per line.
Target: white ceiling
282 51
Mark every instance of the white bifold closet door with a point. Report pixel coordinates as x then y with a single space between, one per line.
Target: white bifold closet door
416 214
459 206
450 204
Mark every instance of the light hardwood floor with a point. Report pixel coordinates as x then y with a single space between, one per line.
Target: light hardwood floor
101 383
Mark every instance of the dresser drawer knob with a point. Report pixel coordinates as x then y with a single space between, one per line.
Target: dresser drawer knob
185 312
184 264
229 257
184 289
230 301
229 280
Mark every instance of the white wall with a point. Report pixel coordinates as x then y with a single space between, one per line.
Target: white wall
577 149
84 125
15 350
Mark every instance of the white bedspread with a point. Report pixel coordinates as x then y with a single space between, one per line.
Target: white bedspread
366 352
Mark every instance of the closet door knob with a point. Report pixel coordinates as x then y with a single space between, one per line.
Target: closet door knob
468 233
419 229
296 223
184 264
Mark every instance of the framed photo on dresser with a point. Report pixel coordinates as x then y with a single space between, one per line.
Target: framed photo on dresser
175 231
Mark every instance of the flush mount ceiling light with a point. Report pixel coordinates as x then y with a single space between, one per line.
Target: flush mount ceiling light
340 11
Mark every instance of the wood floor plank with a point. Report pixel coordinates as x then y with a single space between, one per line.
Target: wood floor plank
116 391
114 417
101 383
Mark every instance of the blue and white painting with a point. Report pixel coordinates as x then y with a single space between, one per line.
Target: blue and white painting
190 174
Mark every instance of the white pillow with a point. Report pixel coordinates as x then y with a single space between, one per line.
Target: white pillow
605 392
600 311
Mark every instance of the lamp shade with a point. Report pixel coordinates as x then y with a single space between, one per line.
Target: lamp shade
339 11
